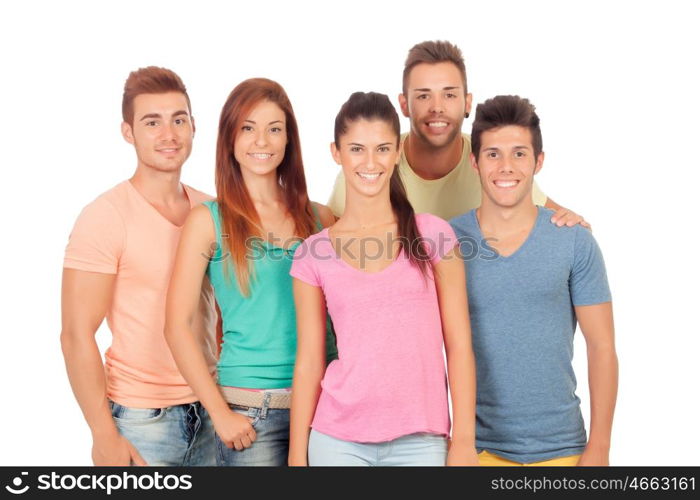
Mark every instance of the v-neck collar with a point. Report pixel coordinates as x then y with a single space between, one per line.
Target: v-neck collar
339 258
523 245
185 187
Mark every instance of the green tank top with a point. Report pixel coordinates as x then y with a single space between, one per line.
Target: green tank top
260 335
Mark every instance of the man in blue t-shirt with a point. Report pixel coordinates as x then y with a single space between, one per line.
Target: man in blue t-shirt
529 282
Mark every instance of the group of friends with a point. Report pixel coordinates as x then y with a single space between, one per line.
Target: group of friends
425 316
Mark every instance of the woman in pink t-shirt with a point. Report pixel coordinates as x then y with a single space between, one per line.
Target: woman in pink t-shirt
396 293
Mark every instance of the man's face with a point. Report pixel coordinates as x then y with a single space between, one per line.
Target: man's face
507 165
162 131
435 102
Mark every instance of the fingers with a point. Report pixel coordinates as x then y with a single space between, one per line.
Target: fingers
136 457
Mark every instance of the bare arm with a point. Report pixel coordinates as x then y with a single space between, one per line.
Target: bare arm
309 367
451 286
181 306
596 322
85 299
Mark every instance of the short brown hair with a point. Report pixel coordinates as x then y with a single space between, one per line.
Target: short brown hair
433 52
150 80
504 110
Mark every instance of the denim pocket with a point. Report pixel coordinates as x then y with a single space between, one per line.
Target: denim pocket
136 415
253 414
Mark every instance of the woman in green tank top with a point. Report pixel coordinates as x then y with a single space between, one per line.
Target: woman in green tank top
243 243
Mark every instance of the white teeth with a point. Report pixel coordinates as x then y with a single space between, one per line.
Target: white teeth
370 177
260 156
437 124
506 184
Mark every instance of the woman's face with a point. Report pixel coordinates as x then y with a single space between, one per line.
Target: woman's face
261 140
368 152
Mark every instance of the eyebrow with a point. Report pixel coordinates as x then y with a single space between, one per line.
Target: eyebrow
158 115
494 148
443 88
274 121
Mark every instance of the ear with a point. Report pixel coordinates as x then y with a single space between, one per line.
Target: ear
403 104
193 127
468 104
472 160
540 161
127 133
335 153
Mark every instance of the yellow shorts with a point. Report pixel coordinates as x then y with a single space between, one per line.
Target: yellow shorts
490 460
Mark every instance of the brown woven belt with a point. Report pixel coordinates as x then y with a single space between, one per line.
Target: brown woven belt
256 399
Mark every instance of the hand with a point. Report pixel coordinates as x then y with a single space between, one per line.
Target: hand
567 217
592 457
115 449
460 454
234 430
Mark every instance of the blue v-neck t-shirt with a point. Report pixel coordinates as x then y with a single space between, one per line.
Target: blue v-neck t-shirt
523 322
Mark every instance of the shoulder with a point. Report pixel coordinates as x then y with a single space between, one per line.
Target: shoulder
313 242
108 206
197 196
464 224
429 224
325 214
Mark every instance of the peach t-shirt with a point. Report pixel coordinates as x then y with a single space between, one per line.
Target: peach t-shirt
121 233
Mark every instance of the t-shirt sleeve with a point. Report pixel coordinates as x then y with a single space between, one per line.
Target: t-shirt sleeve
337 200
304 265
588 282
538 197
438 236
97 240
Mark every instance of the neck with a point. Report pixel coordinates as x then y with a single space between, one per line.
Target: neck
430 162
494 219
157 186
364 212
263 189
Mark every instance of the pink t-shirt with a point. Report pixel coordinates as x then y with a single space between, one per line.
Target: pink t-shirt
121 233
389 379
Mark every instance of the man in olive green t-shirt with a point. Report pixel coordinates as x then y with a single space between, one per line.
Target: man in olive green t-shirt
434 163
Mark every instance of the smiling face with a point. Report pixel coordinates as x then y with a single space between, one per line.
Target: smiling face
261 140
162 131
507 165
368 152
435 101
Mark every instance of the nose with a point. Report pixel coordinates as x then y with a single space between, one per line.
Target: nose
437 105
167 132
261 138
505 166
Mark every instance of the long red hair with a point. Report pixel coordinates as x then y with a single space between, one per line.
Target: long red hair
239 219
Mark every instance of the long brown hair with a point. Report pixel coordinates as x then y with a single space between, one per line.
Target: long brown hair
375 106
239 219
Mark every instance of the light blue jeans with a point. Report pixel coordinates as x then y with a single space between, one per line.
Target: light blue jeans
420 449
180 435
271 445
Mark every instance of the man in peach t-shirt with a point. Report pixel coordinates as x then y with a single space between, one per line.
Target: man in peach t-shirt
117 265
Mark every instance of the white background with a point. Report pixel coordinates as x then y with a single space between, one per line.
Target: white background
615 84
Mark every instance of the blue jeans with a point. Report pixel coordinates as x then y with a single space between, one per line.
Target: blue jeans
271 445
414 449
180 435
